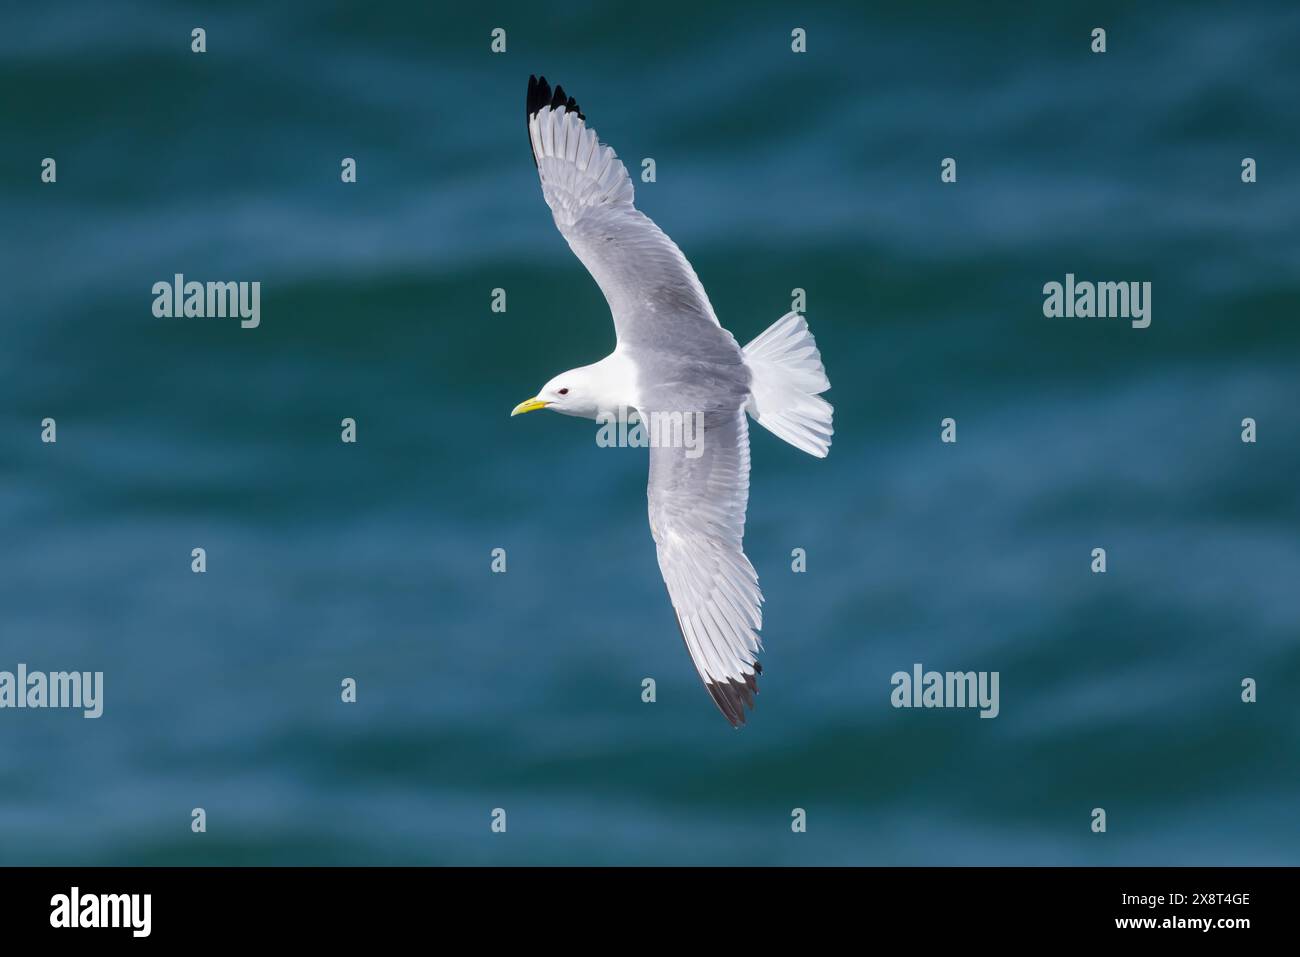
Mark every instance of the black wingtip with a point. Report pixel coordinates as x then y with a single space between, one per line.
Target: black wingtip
540 95
568 102
732 697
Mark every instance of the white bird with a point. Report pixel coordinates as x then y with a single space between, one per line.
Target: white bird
673 356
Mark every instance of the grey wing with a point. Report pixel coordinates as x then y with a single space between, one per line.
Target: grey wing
653 293
697 517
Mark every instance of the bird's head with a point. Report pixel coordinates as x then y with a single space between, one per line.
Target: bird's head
569 393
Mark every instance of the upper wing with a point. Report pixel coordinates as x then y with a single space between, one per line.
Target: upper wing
697 518
653 292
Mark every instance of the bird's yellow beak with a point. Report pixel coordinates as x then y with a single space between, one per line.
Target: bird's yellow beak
531 405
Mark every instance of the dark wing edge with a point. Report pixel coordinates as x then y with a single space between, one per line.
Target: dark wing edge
540 95
731 696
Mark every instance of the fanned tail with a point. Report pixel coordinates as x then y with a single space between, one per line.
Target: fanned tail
787 378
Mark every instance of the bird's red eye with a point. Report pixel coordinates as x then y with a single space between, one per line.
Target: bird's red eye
564 392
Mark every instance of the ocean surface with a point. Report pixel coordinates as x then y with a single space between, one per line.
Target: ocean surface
522 691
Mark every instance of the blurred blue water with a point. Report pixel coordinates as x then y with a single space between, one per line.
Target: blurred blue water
522 690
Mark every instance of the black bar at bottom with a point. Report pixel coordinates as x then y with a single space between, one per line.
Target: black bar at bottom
338 905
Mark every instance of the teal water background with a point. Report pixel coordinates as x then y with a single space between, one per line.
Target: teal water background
522 690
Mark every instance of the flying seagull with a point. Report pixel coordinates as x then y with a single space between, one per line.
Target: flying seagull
674 357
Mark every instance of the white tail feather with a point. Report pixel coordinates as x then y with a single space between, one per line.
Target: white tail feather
786 379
